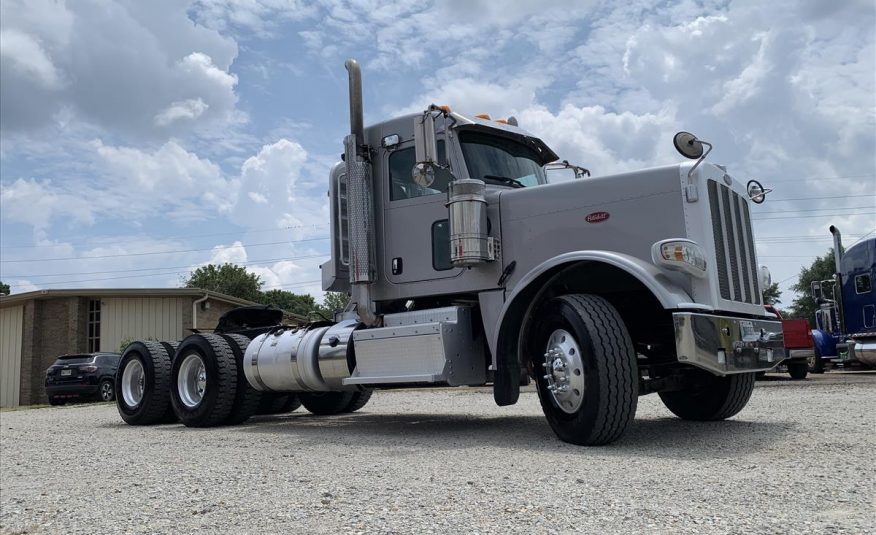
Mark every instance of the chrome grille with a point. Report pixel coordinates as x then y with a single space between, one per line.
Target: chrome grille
734 245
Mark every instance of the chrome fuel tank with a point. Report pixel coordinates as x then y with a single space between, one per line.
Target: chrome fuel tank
311 359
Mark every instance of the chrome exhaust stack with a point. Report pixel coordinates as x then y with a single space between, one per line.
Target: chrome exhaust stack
837 258
837 246
360 203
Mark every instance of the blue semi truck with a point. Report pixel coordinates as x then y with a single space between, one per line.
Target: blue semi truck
845 330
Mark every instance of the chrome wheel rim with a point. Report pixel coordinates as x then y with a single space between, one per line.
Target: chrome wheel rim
106 391
564 371
191 383
133 383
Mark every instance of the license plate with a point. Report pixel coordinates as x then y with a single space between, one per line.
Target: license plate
65 373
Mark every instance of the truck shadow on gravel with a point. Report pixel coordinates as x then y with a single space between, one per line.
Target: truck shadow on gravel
660 437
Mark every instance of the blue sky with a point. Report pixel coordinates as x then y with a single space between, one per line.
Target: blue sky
143 139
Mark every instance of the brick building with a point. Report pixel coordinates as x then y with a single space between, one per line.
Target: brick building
36 327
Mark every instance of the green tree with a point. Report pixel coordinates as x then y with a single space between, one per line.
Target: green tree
822 268
228 279
772 294
302 305
4 288
333 302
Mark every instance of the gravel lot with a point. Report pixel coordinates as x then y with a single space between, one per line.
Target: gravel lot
450 461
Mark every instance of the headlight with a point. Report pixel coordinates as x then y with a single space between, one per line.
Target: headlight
765 278
680 255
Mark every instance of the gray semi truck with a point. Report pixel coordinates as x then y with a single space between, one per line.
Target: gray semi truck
466 266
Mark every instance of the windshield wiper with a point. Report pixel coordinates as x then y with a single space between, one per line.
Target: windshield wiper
506 180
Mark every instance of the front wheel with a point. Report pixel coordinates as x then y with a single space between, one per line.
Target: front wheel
587 379
815 364
710 397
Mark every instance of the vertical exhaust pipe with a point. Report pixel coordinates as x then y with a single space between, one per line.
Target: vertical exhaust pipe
837 257
837 246
360 204
357 126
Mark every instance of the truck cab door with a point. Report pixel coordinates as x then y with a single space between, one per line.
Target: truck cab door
416 230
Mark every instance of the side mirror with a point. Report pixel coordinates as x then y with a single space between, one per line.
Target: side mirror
817 293
426 150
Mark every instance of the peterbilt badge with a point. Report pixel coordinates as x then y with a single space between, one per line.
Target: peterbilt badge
597 217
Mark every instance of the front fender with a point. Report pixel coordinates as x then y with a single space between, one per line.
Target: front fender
664 289
825 343
507 329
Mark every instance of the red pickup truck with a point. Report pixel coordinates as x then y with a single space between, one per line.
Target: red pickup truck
798 342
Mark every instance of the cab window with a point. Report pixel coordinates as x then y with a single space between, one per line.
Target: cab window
401 181
862 284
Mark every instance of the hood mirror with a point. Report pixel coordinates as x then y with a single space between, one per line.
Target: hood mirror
756 192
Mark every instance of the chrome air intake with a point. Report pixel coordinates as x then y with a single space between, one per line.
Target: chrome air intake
469 243
313 359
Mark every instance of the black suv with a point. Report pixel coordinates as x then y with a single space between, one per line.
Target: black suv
89 375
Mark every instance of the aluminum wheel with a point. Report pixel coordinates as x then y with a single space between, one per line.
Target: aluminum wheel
133 383
192 380
564 371
106 391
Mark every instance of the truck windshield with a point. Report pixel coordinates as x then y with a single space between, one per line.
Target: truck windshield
499 160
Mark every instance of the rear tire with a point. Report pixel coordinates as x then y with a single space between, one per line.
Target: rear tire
360 399
798 370
169 415
589 353
247 398
55 401
277 403
142 387
204 380
327 403
710 397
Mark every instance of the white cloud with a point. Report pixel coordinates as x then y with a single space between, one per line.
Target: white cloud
231 254
126 67
169 175
280 193
36 203
187 109
28 58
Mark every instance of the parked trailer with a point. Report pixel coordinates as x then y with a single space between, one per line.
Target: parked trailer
467 268
845 331
798 345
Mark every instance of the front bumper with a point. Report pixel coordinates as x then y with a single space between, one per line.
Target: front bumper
726 345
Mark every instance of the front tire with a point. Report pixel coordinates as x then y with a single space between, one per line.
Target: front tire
142 387
204 380
710 397
588 378
816 365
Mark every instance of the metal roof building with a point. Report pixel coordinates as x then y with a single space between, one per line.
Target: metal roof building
36 327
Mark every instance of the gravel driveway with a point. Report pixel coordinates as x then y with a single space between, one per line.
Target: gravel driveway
450 461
